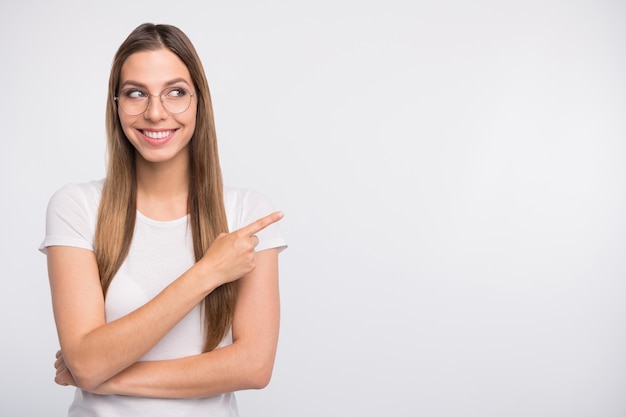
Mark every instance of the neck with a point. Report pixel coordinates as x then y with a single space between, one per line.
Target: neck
162 188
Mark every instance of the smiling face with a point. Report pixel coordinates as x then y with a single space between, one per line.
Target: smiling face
157 135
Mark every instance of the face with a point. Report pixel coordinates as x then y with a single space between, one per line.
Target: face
158 135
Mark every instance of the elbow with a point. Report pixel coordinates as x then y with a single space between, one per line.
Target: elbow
86 381
85 376
261 380
87 384
260 374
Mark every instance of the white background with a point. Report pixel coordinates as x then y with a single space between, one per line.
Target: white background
452 175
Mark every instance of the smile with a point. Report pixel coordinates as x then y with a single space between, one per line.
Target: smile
157 135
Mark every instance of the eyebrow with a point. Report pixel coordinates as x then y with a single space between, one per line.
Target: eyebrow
142 85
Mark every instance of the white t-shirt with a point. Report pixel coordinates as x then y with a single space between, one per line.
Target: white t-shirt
159 253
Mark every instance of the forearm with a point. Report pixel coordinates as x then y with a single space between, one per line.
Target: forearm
228 369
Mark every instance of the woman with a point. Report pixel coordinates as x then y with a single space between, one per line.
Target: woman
159 309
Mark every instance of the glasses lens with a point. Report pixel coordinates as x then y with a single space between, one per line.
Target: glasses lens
133 102
176 100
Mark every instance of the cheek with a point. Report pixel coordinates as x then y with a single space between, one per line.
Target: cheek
124 122
193 114
190 121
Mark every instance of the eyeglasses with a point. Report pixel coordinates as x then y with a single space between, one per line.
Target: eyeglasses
134 102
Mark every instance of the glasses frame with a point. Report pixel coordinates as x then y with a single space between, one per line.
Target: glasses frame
116 98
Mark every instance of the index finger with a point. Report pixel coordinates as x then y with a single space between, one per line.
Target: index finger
261 223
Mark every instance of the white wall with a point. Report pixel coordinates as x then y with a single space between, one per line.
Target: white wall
453 177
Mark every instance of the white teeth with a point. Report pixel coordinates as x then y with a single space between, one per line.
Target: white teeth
157 135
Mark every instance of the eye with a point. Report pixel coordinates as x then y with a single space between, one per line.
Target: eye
133 93
176 92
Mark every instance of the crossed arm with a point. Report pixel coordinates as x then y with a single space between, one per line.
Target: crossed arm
103 357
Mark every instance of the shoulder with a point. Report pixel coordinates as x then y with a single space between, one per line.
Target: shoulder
86 194
244 205
72 214
76 200
236 196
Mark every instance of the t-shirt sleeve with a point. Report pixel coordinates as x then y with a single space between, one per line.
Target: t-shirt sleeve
256 205
69 220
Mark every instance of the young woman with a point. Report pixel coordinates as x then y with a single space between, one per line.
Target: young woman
164 283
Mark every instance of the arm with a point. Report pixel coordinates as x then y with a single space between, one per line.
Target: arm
93 350
245 364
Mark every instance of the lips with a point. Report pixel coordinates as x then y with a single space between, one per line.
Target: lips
157 137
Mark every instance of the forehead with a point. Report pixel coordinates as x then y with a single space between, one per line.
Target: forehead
154 68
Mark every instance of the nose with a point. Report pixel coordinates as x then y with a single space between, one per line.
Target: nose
155 110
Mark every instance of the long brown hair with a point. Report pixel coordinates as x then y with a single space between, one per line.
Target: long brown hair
207 216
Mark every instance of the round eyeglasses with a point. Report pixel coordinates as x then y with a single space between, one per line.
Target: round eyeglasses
134 101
